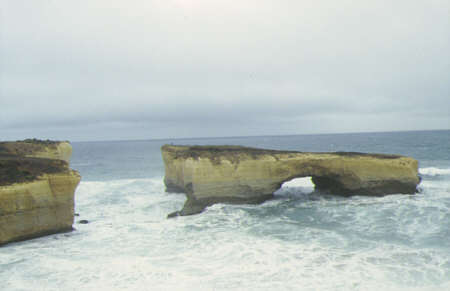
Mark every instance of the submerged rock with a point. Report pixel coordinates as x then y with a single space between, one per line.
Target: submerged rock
235 174
36 189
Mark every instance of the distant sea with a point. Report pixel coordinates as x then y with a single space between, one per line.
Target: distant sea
297 241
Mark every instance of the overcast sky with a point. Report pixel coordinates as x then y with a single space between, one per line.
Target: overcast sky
109 70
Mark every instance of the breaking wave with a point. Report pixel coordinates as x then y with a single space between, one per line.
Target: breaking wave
432 171
359 243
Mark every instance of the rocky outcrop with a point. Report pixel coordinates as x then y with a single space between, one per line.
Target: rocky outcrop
235 174
56 150
36 189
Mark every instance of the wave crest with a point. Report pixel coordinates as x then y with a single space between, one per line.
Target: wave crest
432 171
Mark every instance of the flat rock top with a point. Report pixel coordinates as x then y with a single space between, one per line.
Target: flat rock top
26 147
17 169
227 151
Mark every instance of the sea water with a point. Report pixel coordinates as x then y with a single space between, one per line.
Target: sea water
297 241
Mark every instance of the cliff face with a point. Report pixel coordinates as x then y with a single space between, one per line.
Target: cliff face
36 189
233 174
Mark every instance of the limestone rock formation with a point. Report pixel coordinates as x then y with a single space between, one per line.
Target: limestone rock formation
235 174
57 150
36 189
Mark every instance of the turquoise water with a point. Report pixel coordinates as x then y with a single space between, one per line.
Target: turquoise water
297 241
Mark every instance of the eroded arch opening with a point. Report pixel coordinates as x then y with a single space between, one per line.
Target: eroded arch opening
296 187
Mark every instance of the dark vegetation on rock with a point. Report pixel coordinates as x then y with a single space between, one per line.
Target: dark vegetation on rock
15 169
39 141
205 175
214 153
28 209
229 152
26 147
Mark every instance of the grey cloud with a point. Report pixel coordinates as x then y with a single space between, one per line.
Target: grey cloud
207 67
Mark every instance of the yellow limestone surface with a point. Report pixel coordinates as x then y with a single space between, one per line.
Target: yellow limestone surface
43 206
229 172
62 151
56 150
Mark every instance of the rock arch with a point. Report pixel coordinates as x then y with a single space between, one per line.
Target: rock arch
235 174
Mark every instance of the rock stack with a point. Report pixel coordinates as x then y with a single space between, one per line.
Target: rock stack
37 189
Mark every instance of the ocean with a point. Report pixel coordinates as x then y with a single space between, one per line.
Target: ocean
297 241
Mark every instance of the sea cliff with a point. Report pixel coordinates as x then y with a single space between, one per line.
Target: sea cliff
235 174
36 189
56 150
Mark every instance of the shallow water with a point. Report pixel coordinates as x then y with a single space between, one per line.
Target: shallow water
298 241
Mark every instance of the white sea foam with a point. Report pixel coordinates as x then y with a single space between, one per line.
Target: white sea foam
296 187
299 182
432 171
327 243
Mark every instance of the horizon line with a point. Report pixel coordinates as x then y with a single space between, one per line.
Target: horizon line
253 136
